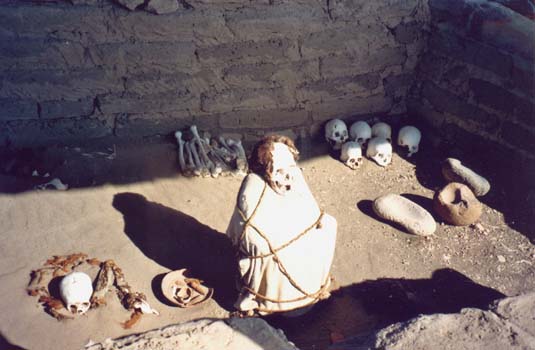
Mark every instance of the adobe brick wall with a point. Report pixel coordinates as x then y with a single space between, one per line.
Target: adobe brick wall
81 69
477 74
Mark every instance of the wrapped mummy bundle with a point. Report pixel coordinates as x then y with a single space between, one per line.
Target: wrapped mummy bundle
275 220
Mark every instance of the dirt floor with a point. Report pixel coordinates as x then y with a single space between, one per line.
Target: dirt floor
128 203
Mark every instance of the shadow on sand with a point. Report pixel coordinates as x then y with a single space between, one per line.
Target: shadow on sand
176 240
360 308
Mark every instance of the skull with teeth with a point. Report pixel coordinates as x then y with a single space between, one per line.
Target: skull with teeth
409 137
383 130
380 150
360 132
336 133
274 158
75 290
351 154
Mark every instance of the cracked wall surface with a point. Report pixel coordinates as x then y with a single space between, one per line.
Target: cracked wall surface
82 69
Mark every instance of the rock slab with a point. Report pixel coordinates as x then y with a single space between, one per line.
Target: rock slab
411 216
230 334
130 4
161 7
454 171
509 324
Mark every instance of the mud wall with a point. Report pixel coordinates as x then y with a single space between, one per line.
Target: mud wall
82 69
476 76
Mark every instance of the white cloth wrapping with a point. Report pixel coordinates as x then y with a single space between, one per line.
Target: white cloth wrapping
281 218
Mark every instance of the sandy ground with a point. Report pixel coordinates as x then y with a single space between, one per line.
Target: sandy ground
130 205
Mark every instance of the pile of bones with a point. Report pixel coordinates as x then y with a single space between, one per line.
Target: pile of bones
377 140
205 156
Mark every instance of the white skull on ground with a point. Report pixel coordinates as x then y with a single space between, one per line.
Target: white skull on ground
75 290
409 136
360 132
351 154
284 165
380 150
336 133
383 130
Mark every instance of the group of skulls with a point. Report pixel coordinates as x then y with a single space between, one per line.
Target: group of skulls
205 156
377 139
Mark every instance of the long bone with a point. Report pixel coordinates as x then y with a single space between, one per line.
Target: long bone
241 161
193 160
220 167
203 169
223 153
216 166
181 161
226 146
202 152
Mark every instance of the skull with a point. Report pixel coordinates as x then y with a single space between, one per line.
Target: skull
284 166
336 133
409 137
75 290
383 130
351 154
380 150
361 132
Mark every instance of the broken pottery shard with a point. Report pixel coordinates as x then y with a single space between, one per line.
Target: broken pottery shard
411 216
161 7
457 204
130 4
454 171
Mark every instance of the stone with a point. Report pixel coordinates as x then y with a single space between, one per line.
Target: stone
454 171
402 211
161 7
230 334
406 33
14 109
509 324
130 4
457 204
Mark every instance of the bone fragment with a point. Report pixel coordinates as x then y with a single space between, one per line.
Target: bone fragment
241 161
202 151
192 169
105 280
180 142
199 164
54 183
